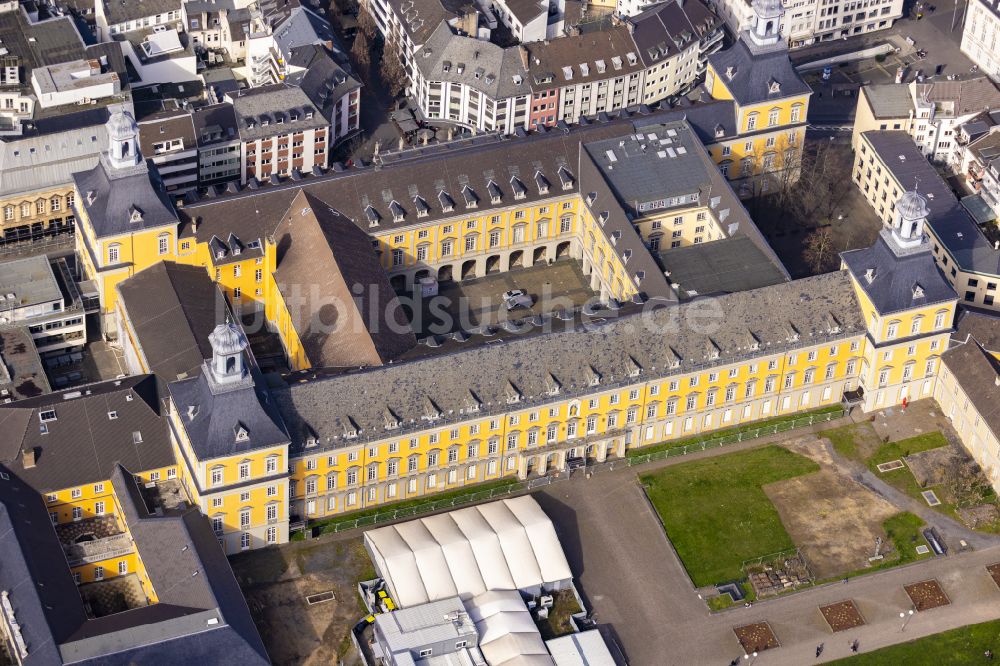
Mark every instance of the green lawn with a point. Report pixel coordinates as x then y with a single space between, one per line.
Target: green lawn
965 645
717 515
728 432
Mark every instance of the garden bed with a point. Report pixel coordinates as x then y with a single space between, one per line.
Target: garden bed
756 637
926 595
994 570
842 615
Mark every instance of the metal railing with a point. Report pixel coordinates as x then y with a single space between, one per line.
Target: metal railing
430 506
736 437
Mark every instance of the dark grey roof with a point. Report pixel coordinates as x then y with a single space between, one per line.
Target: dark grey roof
951 223
720 267
172 309
165 126
116 193
667 28
120 11
485 66
899 281
267 111
34 572
21 371
322 79
753 74
84 442
423 174
215 124
781 317
889 100
982 326
183 560
48 42
348 314
976 372
653 165
211 416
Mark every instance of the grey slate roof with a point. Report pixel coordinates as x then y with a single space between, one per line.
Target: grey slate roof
951 223
723 266
211 417
976 372
43 160
116 193
666 28
274 104
84 442
322 79
897 277
165 126
473 62
120 11
21 371
889 100
426 172
818 308
33 571
754 72
958 98
982 326
657 163
215 124
172 309
48 42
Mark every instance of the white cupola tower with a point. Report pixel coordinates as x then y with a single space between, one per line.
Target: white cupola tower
228 366
909 219
766 29
123 140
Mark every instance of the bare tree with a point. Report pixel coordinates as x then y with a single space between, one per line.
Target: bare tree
366 24
392 71
819 253
361 54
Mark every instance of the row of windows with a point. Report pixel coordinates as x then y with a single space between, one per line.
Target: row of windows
41 207
243 470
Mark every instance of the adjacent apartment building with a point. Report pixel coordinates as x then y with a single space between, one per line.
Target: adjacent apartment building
456 74
931 113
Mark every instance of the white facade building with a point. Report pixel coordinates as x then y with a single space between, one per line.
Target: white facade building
979 36
809 21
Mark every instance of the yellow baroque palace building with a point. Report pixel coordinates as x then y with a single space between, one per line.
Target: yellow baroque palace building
367 417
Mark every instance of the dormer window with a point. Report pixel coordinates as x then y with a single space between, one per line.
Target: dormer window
774 86
870 275
241 434
135 215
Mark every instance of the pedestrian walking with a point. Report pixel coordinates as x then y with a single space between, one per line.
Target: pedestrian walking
845 580
854 645
989 655
819 650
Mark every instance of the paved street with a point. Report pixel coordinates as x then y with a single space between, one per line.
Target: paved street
629 573
834 101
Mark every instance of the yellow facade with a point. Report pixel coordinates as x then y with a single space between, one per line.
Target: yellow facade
31 215
521 441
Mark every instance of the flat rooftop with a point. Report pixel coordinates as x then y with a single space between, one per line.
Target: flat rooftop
720 267
26 282
655 168
73 75
21 371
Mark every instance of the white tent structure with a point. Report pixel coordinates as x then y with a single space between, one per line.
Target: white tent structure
507 633
505 545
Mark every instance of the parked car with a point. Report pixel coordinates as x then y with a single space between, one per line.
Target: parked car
517 298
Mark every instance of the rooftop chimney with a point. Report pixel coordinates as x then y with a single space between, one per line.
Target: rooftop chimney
28 458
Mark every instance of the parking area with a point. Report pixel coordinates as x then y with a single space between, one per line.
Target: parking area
472 304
